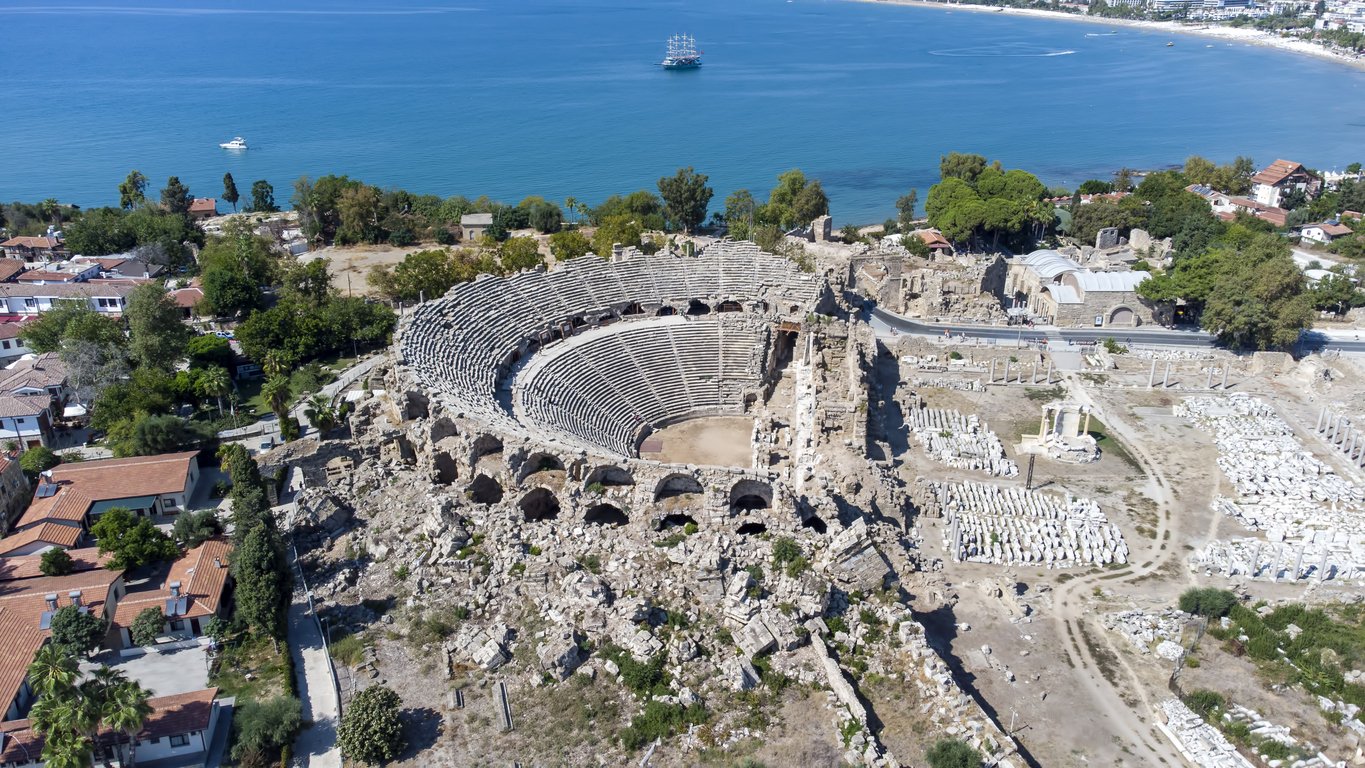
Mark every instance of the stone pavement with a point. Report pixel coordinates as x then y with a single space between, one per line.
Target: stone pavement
316 745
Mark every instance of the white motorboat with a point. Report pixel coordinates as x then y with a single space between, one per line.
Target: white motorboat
237 143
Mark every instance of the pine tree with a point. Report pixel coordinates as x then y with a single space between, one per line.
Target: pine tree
230 191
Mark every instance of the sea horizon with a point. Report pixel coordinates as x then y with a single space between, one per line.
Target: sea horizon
440 98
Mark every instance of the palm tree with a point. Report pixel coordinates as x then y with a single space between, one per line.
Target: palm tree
276 363
276 394
320 414
51 210
53 671
126 710
214 382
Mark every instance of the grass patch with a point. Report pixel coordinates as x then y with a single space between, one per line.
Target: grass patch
1109 444
349 649
252 670
1045 394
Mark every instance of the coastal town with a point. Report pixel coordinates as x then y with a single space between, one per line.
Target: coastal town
1023 475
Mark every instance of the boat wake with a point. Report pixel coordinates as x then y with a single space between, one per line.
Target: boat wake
1021 50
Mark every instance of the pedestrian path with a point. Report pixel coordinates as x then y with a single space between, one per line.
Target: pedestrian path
316 745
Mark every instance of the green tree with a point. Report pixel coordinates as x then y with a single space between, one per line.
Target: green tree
518 254
320 413
125 710
147 626
623 229
157 337
1207 601
740 208
1337 293
154 434
37 460
307 281
957 165
263 197
952 753
77 630
176 197
194 528
359 216
133 191
905 209
686 196
230 191
133 541
209 350
371 729
1095 187
543 215
263 728
569 244
56 562
261 574
234 268
1259 302
69 320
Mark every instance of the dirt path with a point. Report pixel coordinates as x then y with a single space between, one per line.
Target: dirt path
1071 611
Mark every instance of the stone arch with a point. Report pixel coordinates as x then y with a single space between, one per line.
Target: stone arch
748 495
485 490
752 528
677 484
729 306
486 445
666 311
813 522
540 462
610 476
539 504
605 514
698 307
633 308
676 520
444 471
1123 316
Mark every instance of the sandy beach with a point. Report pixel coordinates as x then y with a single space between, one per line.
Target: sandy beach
1242 35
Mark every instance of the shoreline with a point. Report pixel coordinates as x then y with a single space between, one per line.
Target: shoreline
1210 30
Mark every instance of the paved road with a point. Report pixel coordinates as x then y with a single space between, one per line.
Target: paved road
316 745
1347 342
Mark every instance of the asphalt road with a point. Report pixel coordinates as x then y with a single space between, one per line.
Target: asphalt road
1312 341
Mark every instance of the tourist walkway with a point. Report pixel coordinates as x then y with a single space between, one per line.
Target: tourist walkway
343 383
316 745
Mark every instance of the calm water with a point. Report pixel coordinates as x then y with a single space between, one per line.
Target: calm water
561 97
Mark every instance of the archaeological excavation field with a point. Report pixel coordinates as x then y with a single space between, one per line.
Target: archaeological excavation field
693 506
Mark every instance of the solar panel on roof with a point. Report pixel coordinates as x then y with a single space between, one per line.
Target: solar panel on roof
46 490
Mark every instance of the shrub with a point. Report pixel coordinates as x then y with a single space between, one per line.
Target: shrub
658 721
147 626
1208 602
644 679
952 753
785 550
371 730
56 562
266 726
1204 702
955 355
38 460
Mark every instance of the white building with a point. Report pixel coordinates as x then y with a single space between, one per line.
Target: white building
1325 232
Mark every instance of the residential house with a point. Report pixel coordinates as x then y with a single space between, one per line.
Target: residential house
935 240
11 346
1325 232
122 266
1278 217
203 208
10 269
1270 186
37 539
43 374
14 492
70 271
28 601
188 299
108 297
73 494
179 732
26 421
34 250
474 226
193 592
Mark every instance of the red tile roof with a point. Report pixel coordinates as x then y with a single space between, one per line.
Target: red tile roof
30 242
39 372
83 483
202 573
204 205
87 289
9 268
1277 172
188 298
1333 230
20 638
56 534
28 566
171 716
23 405
10 330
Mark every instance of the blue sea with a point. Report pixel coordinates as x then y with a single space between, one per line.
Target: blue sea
510 98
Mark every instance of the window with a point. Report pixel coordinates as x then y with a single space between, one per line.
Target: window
180 741
5 343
